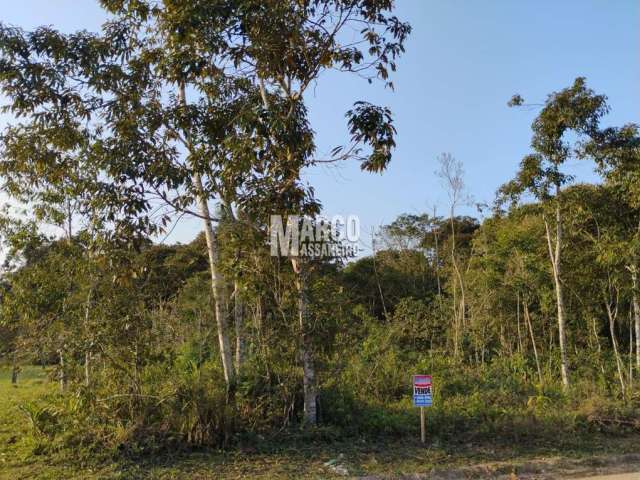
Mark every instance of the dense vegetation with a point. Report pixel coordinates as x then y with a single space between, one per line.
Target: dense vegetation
529 318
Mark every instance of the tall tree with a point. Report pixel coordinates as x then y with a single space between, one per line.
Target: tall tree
285 48
451 173
574 111
178 104
617 153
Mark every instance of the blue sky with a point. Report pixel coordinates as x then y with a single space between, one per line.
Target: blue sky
464 60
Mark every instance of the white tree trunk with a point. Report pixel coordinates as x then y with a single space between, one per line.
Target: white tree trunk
377 277
306 348
520 347
87 369
459 310
63 373
533 339
87 353
562 335
612 319
636 314
597 340
238 304
555 257
238 315
220 310
630 350
220 307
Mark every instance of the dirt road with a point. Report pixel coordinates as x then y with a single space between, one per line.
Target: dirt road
622 476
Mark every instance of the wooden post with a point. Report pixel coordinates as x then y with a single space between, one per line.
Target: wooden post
423 426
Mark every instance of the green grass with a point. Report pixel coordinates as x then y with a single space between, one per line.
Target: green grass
287 456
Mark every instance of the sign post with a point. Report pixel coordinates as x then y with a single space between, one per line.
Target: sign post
422 397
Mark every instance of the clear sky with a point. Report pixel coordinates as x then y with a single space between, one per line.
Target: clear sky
464 60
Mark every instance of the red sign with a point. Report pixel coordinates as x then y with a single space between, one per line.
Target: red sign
422 394
422 380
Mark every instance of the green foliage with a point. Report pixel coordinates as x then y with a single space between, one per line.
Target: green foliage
128 328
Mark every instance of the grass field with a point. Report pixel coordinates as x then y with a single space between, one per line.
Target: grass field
286 457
